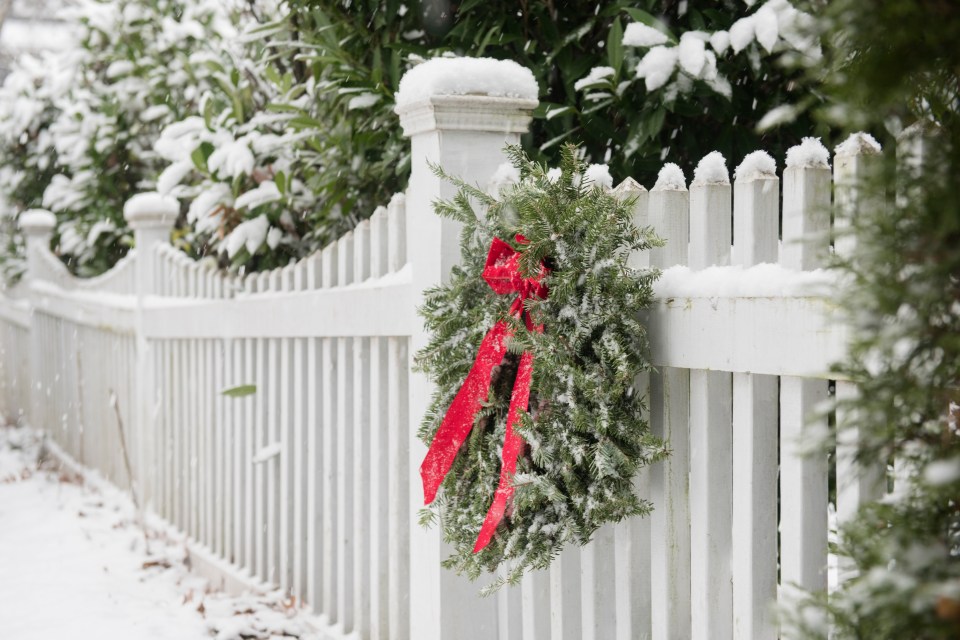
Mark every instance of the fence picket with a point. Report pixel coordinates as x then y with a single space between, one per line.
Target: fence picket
754 510
803 480
857 483
669 419
345 453
332 380
360 462
711 432
565 618
377 471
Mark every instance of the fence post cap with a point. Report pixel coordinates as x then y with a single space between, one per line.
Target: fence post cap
467 94
151 209
37 222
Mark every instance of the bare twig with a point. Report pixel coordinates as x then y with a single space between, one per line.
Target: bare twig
115 403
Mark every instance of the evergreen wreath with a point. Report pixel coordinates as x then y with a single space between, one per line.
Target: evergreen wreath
584 431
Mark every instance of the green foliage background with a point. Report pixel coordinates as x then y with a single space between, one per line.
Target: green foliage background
892 63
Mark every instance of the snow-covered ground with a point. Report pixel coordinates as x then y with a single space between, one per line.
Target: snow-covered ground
75 563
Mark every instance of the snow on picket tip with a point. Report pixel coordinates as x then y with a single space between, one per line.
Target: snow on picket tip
758 164
671 178
809 153
467 76
712 169
859 143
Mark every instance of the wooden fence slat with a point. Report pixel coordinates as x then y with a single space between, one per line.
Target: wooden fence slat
345 455
669 419
535 598
377 470
855 165
597 603
565 618
756 208
360 462
312 471
260 468
711 432
803 480
332 379
399 433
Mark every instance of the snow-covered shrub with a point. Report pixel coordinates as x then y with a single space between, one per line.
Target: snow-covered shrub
714 74
238 163
27 153
83 122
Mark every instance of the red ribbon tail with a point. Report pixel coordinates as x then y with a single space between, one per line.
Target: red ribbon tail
512 445
459 418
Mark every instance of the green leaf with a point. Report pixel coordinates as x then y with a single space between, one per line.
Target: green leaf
241 391
615 46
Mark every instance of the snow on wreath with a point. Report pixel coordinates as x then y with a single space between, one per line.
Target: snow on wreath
538 426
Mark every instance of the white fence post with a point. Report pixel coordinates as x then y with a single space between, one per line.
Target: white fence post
37 227
856 163
151 217
756 206
465 135
803 479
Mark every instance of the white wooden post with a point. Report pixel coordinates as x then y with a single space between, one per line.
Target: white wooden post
632 536
856 163
803 479
37 227
464 134
151 216
755 211
670 419
711 433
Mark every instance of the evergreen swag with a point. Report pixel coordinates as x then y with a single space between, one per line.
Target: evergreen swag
586 430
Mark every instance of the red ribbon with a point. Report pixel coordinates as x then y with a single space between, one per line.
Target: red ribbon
502 273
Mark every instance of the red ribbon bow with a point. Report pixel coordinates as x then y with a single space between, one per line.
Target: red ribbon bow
502 273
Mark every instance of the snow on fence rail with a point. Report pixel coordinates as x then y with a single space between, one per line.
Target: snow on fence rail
304 476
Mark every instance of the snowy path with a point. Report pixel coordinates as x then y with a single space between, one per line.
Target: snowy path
73 565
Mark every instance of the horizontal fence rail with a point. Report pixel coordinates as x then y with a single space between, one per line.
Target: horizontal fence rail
271 416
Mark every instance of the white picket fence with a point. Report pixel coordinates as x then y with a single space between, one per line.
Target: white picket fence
311 482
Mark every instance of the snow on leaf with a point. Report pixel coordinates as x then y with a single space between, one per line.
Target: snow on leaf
720 41
596 76
638 34
742 33
692 54
766 27
250 234
233 159
657 66
265 193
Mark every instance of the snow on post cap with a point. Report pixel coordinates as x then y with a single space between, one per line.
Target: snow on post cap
670 178
857 144
758 164
809 153
37 222
712 169
151 208
466 76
